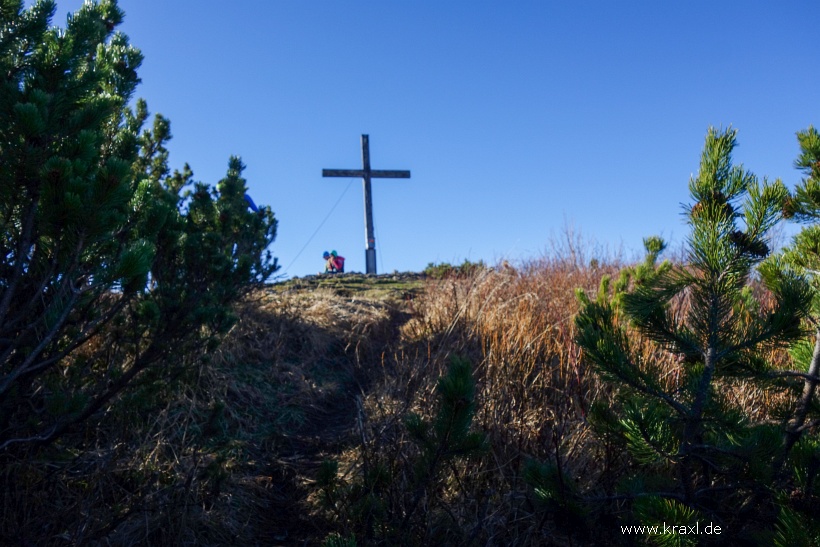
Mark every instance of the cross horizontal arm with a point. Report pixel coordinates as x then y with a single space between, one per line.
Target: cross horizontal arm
374 173
379 174
342 173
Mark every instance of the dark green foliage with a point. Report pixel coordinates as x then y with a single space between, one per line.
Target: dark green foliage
65 192
335 540
697 456
112 270
445 269
794 529
797 521
556 495
656 509
449 436
804 205
380 505
116 279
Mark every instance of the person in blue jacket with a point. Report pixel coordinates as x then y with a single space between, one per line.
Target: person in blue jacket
330 264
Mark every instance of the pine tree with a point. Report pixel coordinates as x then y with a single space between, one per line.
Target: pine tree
804 254
65 188
99 241
801 451
696 454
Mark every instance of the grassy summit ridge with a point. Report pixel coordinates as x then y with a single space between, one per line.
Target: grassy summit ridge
404 285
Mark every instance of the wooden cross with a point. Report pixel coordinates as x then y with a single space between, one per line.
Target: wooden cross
366 173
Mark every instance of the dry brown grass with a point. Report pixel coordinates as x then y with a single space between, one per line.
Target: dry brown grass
516 326
227 454
533 395
196 460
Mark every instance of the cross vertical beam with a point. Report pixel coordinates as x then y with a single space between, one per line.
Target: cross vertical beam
369 232
367 174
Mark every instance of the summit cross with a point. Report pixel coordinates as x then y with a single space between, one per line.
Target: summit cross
367 173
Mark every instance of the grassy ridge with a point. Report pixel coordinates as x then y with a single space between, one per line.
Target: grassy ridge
327 369
401 286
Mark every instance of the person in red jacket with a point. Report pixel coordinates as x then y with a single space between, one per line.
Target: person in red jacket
338 261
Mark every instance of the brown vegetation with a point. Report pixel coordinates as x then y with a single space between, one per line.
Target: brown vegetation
532 392
230 453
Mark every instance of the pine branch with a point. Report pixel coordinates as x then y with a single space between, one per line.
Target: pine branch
795 428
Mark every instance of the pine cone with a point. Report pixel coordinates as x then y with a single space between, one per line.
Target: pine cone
747 245
789 208
718 197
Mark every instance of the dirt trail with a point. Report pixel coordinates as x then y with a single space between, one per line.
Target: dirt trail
293 472
328 430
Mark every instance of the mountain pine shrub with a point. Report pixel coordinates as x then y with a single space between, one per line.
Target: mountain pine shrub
111 267
800 461
693 453
117 277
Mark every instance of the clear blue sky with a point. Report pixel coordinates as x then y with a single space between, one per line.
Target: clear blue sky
514 117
